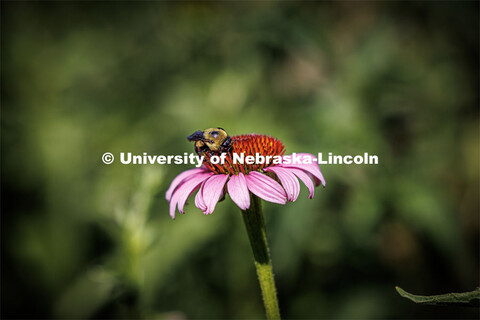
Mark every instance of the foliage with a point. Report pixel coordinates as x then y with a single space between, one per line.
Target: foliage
81 239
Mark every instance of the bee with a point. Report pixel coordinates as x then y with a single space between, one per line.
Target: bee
212 139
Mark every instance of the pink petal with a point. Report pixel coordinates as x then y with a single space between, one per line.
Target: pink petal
182 193
289 181
265 188
199 202
312 168
238 191
212 190
181 178
315 179
305 179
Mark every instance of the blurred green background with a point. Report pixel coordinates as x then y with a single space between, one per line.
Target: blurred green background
81 239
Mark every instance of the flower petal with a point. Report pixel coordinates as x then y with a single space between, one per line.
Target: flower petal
199 202
212 190
311 168
238 191
182 193
185 175
305 179
289 181
265 188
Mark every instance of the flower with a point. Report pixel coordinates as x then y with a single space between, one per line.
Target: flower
273 181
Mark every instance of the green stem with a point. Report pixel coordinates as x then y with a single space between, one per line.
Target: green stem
255 225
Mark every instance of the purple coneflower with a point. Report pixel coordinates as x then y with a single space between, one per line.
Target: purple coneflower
272 181
277 183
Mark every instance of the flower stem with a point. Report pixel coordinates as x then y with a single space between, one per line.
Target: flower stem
255 225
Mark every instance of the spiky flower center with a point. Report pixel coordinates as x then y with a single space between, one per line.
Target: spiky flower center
246 145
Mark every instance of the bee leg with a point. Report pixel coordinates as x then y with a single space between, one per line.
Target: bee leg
202 149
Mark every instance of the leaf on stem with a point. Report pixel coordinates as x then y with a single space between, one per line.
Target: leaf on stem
469 299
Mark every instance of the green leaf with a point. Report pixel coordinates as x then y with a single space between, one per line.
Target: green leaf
469 299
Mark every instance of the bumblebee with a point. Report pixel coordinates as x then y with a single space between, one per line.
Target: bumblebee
212 139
